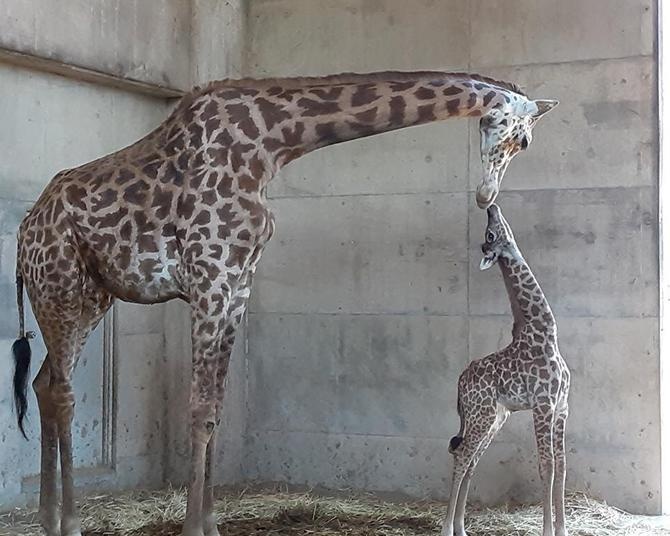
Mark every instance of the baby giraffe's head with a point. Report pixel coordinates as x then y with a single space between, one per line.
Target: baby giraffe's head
499 240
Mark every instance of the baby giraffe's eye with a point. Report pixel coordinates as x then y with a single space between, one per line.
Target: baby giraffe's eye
490 237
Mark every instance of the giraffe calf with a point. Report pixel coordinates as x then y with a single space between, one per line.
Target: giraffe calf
528 374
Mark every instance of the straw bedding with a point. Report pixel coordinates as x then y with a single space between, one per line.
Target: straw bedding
291 514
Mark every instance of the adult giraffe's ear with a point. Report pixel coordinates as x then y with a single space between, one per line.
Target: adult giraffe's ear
544 106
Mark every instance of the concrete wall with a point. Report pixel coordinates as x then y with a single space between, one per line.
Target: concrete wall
362 321
144 41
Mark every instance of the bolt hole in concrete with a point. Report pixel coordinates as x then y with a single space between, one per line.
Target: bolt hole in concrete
279 512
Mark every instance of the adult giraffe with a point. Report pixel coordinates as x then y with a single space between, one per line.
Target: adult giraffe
182 213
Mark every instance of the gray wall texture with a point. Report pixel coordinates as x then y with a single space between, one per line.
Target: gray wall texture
368 303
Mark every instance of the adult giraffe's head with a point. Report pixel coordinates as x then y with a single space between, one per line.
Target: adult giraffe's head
505 131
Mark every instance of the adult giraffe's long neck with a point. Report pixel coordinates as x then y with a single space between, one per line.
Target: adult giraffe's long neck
528 302
296 116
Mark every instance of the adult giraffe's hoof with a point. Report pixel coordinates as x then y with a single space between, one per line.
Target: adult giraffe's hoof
192 530
210 526
70 527
50 525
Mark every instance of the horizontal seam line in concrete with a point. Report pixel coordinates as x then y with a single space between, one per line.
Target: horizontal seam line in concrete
133 333
424 193
585 61
498 442
16 200
454 315
368 194
355 434
86 74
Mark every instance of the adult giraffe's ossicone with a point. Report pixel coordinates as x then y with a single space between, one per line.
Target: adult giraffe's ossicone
182 213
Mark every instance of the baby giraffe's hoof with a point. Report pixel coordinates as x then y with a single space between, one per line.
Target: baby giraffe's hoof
449 531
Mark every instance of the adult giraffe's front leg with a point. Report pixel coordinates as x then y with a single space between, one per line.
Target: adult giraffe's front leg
209 307
559 469
233 319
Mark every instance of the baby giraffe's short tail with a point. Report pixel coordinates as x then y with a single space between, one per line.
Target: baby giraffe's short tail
458 439
21 351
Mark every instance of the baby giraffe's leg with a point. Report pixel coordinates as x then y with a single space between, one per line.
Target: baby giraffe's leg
478 427
459 521
559 466
543 419
462 461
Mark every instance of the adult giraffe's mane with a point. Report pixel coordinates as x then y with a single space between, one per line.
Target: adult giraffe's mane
350 78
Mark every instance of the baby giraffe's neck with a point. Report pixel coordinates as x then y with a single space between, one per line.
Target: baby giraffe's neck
527 300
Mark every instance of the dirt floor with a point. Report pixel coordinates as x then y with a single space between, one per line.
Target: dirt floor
290 514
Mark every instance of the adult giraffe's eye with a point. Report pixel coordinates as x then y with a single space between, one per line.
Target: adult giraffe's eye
490 237
524 143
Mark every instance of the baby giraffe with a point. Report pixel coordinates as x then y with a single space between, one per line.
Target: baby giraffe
528 374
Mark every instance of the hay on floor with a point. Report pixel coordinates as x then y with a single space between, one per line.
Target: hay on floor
292 514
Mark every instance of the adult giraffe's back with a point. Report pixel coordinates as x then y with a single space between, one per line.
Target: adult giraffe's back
182 214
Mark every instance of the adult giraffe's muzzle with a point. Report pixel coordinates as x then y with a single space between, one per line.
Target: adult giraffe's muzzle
487 191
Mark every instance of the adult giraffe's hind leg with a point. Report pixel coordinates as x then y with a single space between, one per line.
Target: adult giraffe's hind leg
66 319
48 511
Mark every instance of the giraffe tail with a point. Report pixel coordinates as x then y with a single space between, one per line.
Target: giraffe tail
458 439
22 354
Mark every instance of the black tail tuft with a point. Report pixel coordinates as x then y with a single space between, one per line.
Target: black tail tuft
455 443
21 351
